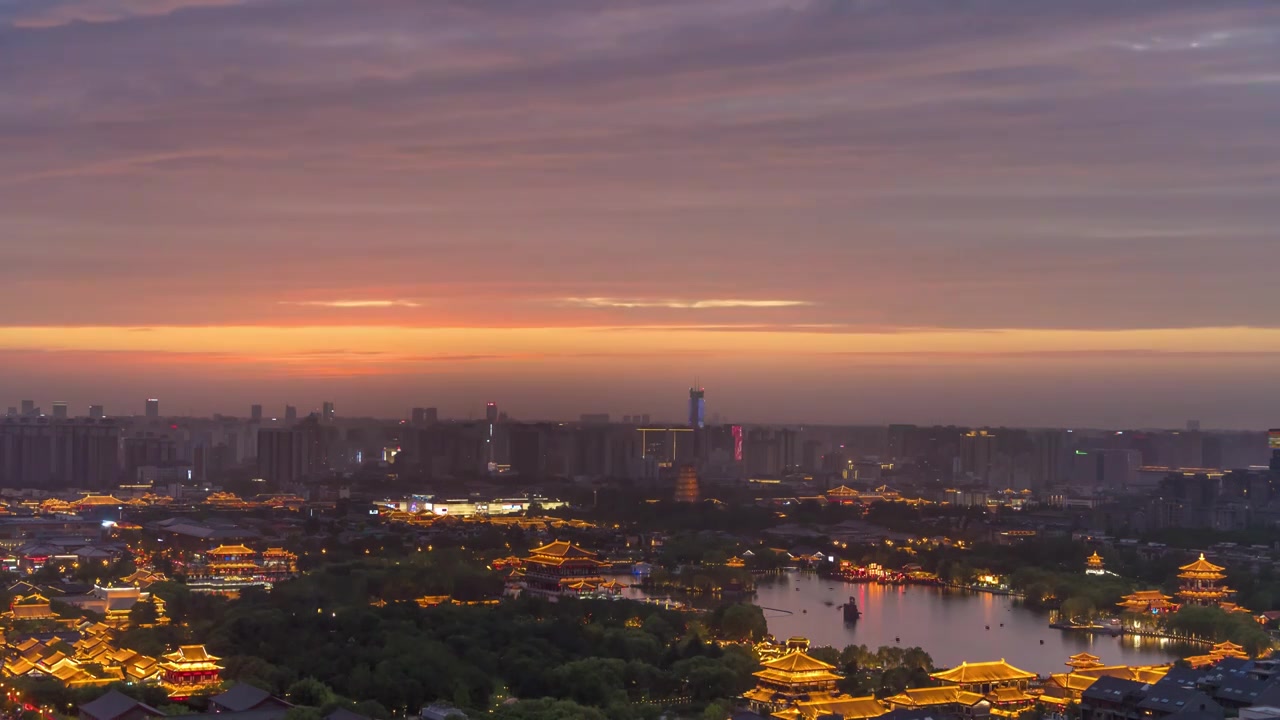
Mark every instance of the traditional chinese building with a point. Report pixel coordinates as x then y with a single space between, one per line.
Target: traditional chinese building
793 678
1093 565
687 485
843 495
1201 583
1063 689
31 607
189 670
277 564
561 568
1083 661
235 561
1218 653
1148 602
1001 684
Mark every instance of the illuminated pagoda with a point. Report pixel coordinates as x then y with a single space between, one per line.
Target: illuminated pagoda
189 670
1001 684
1218 653
1148 602
791 679
1083 661
562 568
1094 565
1200 583
687 485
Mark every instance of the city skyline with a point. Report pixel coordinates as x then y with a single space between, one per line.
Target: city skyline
1027 214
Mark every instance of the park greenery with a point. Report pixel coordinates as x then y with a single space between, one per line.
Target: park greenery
317 640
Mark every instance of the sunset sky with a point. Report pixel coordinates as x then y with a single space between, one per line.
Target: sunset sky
1019 212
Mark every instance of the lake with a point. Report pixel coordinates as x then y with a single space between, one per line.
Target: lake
950 625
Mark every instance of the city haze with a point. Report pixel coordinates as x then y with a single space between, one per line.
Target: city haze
1028 213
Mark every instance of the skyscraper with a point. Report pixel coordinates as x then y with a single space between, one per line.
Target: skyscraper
490 446
39 453
281 456
153 408
59 409
28 408
97 412
425 416
697 408
290 414
328 414
255 413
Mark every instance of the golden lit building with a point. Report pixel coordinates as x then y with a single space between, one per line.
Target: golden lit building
1062 689
793 678
687 485
31 607
1001 684
277 564
562 568
847 708
1094 565
1147 602
1219 652
230 561
951 699
189 670
1083 661
1201 583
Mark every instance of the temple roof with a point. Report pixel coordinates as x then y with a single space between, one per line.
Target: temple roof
230 550
1073 681
1201 566
1094 559
562 549
1009 694
797 661
98 500
190 654
849 708
982 672
927 697
1084 659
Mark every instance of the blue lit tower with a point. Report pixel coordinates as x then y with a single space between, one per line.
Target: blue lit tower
697 408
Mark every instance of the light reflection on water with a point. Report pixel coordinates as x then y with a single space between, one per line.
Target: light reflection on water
951 626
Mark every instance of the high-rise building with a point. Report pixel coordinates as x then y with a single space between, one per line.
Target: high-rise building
153 408
147 450
281 456
46 453
28 408
697 408
977 452
13 411
328 414
425 416
59 409
1193 426
97 412
255 413
290 414
491 412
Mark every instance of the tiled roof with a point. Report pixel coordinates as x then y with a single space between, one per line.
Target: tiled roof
983 672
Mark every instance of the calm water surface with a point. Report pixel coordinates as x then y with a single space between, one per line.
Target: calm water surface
950 625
